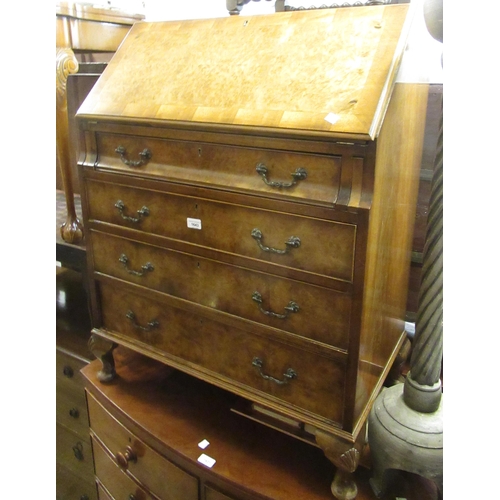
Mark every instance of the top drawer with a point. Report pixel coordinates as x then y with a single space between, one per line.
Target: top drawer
311 178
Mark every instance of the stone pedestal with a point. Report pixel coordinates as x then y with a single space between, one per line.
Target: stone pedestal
404 439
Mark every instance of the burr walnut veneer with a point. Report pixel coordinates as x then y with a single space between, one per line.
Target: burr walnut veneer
249 191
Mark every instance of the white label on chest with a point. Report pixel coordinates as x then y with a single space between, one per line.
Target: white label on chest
332 118
203 444
206 460
194 223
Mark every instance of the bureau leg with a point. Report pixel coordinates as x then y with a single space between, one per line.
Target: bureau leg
345 457
103 349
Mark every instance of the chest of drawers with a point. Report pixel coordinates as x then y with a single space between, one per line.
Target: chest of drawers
74 461
249 209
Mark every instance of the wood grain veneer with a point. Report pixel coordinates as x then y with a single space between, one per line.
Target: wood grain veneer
234 143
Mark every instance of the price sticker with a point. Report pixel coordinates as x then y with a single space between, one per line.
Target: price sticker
203 444
193 223
206 460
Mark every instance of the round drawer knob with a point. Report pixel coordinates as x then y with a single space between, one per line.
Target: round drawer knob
123 459
68 371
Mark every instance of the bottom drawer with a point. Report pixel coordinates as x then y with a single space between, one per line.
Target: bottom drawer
315 384
69 485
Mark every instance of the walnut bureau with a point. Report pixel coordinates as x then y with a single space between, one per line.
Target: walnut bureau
249 192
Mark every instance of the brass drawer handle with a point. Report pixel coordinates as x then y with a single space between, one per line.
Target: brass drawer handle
145 156
299 175
148 267
290 374
292 307
143 212
292 242
151 324
123 459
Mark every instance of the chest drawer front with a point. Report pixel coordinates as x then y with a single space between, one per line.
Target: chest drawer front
103 494
68 377
70 485
293 241
306 177
154 472
71 411
212 494
229 353
115 480
307 310
74 452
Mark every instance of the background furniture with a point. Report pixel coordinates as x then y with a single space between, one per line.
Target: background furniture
84 33
74 462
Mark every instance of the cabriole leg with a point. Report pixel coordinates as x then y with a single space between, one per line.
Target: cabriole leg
345 457
103 349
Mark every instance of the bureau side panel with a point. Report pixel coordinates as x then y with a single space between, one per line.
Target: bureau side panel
399 151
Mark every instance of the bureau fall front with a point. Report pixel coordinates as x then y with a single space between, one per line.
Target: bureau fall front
249 192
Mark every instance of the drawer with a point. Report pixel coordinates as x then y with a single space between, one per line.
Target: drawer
70 486
74 453
212 494
71 410
228 352
296 307
150 469
311 178
103 494
115 481
250 232
68 377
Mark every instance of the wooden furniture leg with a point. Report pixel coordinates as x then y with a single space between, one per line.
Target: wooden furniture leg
345 456
66 63
103 349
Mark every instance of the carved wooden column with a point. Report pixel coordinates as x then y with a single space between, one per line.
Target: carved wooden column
66 64
83 28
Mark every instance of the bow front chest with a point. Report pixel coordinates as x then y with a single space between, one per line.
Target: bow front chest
249 191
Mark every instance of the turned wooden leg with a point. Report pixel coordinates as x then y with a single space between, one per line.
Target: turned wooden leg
345 457
66 63
103 349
